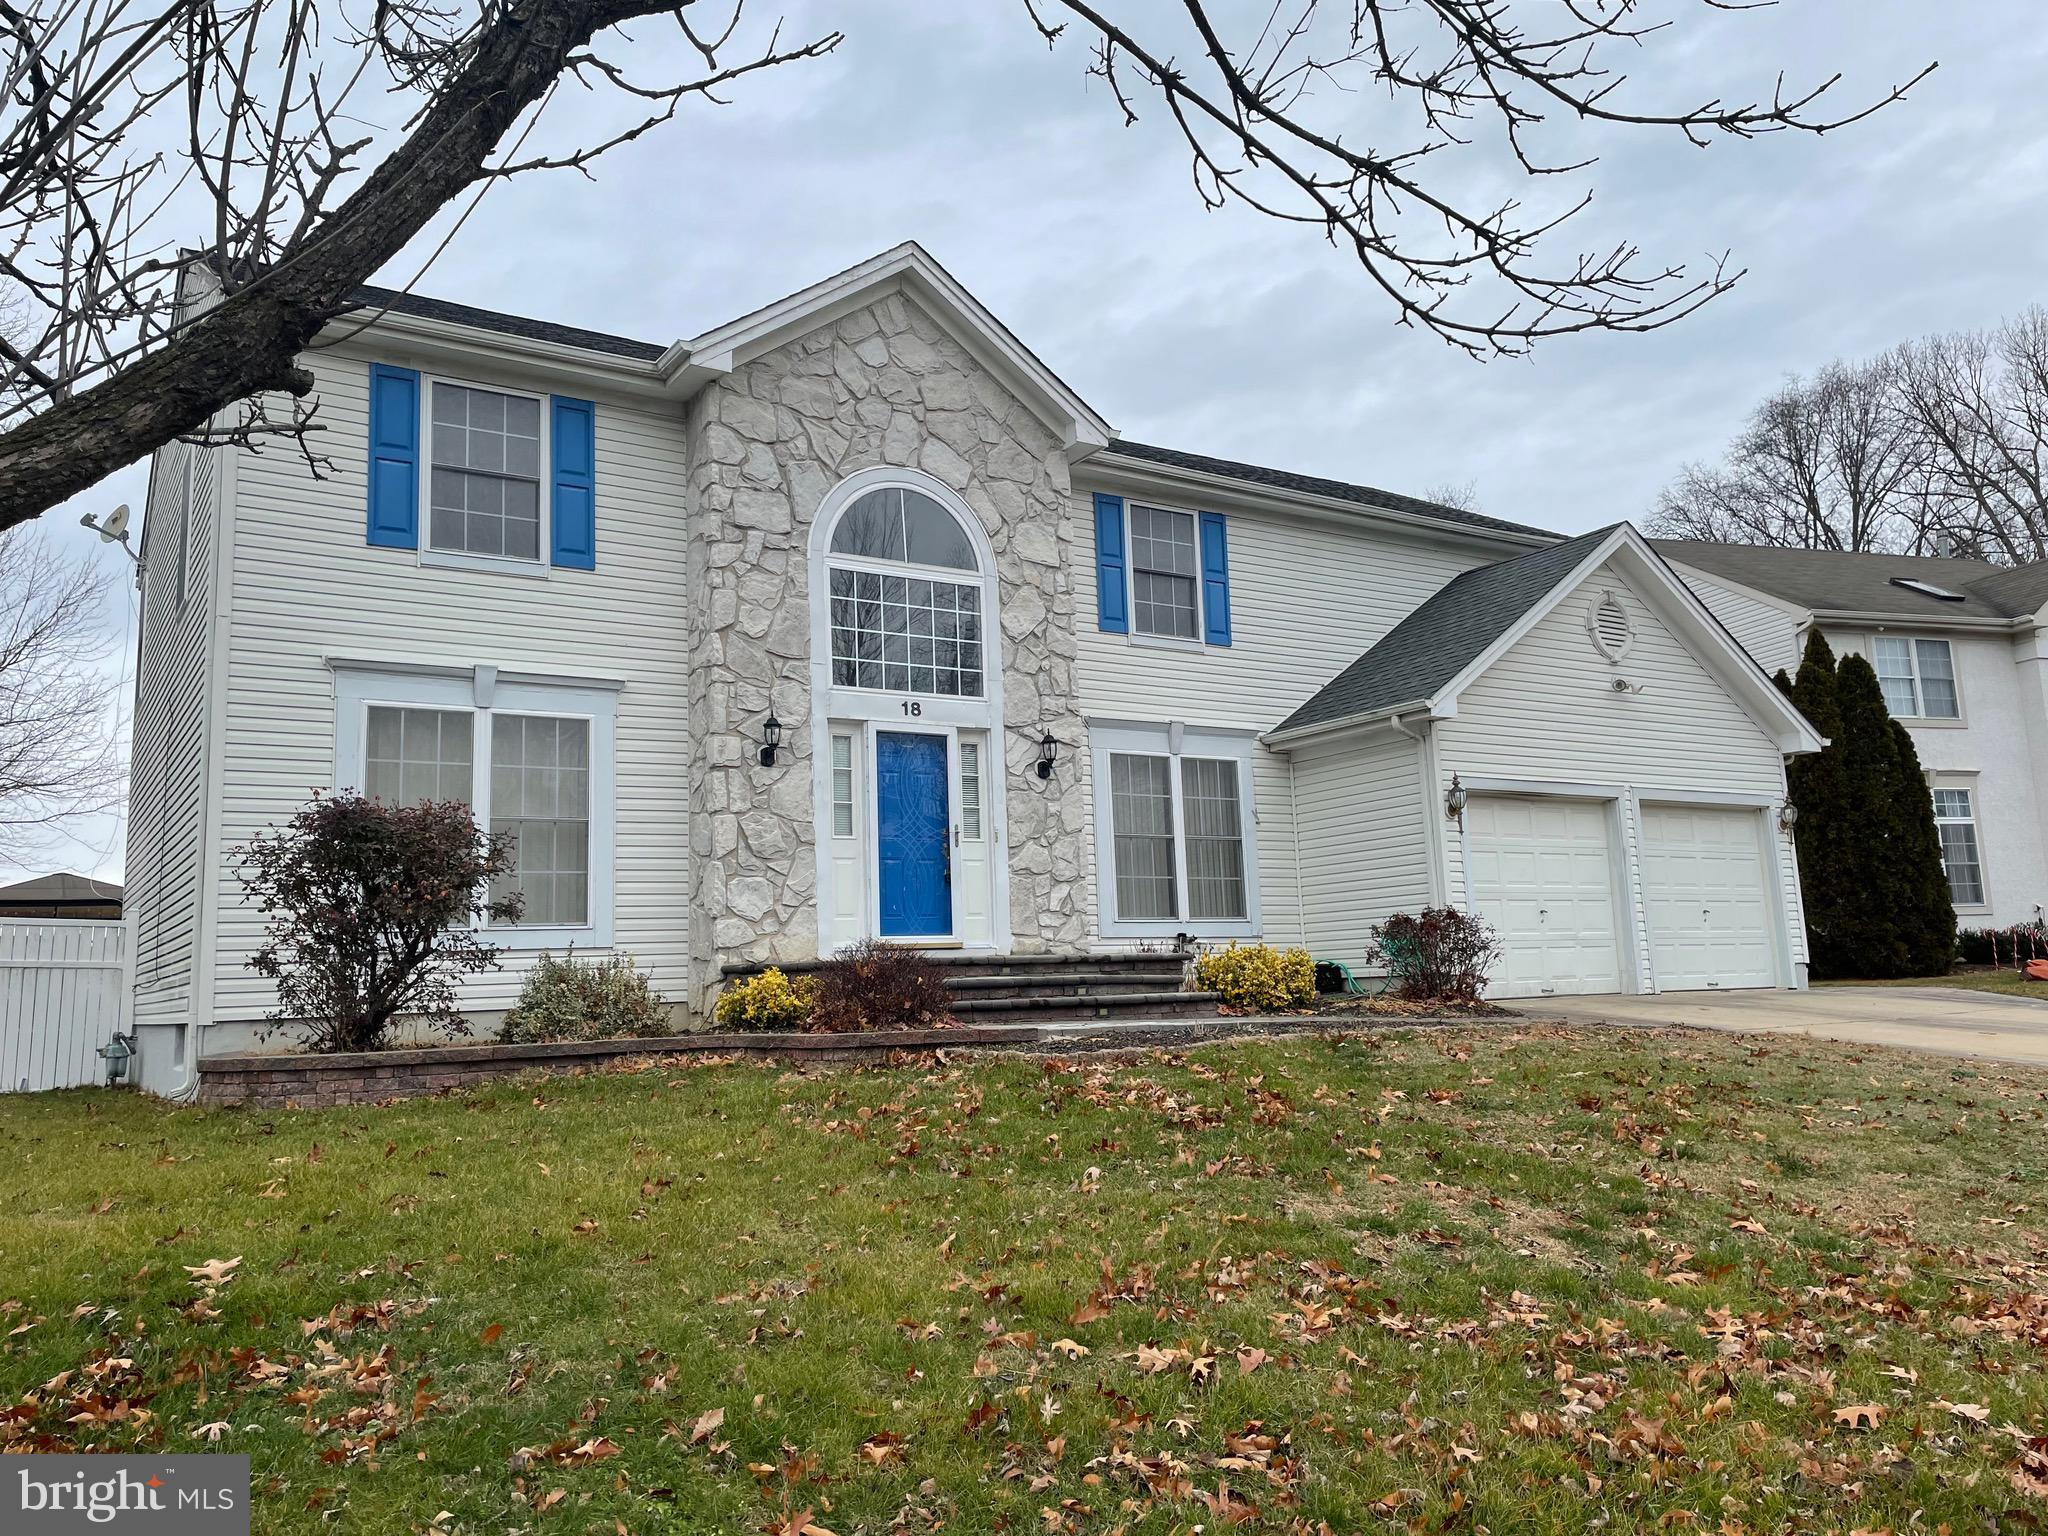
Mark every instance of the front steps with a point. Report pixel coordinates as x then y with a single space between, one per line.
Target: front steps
1004 989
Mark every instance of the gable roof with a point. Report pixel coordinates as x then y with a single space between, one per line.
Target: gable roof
907 268
1836 582
1427 660
59 888
1313 485
1416 659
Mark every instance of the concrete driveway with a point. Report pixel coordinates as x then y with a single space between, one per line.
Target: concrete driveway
1944 1020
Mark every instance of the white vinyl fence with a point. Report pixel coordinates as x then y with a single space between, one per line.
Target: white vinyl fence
63 994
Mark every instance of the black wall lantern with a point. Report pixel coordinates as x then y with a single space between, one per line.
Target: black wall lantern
1048 754
771 738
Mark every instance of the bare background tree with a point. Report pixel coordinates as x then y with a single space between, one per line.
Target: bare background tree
1940 444
190 190
57 702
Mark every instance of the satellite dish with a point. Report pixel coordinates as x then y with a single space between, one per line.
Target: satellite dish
115 528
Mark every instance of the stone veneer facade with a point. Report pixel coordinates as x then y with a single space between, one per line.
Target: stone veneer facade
884 385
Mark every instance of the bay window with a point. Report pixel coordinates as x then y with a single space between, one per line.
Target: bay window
1173 813
530 758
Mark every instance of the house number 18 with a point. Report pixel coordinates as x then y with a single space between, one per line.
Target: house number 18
912 707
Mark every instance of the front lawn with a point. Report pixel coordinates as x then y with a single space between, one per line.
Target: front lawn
1518 1279
2009 983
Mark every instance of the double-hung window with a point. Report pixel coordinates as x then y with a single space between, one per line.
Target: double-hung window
1918 678
1173 819
1165 573
483 492
533 763
1955 819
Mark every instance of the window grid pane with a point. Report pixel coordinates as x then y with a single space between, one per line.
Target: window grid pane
1955 821
1214 830
1141 824
483 489
1895 676
1164 569
1937 680
842 786
906 634
970 791
540 802
412 756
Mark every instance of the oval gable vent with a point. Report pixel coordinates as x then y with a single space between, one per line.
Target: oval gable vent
1609 625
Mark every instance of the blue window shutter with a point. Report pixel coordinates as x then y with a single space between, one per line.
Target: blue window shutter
394 511
573 454
1215 579
1112 596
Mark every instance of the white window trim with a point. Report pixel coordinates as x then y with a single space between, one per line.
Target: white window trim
483 692
1174 742
1199 641
185 523
834 706
542 566
1919 716
1968 783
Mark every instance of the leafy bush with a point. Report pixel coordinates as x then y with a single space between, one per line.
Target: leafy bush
1442 956
872 985
769 1000
1259 977
372 911
571 999
2009 947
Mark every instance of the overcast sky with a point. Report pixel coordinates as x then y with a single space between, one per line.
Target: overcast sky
1232 335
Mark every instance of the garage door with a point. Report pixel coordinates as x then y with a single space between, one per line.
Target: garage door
1705 898
1543 877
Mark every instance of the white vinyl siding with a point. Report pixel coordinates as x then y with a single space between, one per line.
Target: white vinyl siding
1363 840
1289 636
308 588
168 768
1768 630
1547 711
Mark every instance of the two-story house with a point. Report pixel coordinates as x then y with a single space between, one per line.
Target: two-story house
1961 651
848 617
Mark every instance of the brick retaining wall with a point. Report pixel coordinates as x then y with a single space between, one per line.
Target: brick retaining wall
282 1081
273 1081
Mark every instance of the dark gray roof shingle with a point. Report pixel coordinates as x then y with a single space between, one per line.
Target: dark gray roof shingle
1436 642
60 887
1312 485
508 325
1832 581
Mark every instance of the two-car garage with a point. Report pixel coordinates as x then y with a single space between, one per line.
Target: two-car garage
1570 746
1546 873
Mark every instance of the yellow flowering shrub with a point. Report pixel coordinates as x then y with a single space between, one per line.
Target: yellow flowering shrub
769 1000
1258 977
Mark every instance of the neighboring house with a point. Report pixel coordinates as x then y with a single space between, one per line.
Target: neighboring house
62 896
1038 689
1961 651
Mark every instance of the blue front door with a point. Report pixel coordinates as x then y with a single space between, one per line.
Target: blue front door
911 818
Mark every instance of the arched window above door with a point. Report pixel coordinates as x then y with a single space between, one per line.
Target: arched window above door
906 594
897 523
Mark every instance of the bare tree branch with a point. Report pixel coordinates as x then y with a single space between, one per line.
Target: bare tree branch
1470 274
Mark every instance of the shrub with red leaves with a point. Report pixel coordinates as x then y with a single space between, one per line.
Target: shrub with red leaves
1444 955
873 985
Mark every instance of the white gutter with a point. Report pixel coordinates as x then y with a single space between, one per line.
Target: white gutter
1281 740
